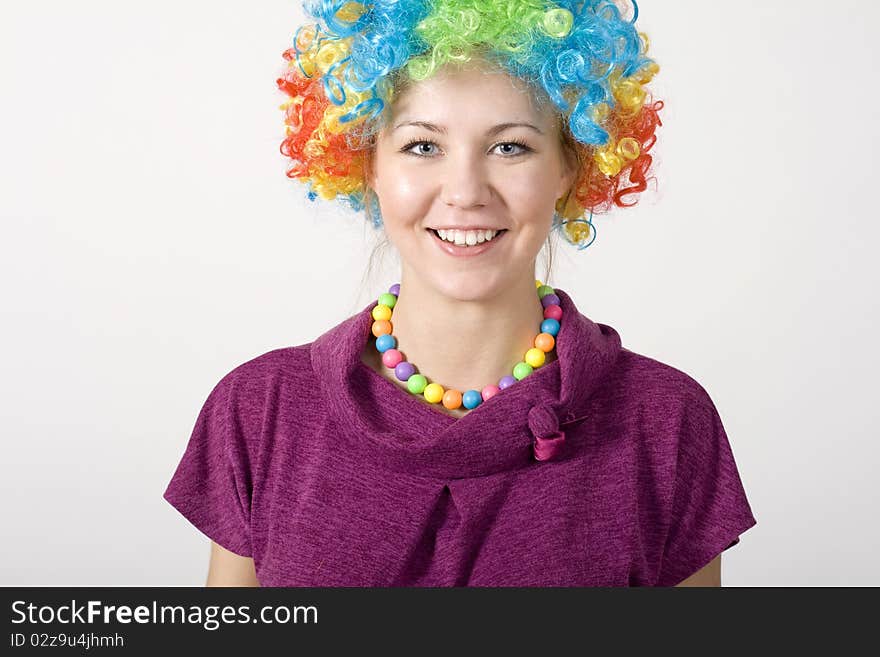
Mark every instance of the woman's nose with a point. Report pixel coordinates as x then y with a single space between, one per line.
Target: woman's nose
466 183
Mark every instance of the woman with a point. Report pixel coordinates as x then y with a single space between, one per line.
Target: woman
470 427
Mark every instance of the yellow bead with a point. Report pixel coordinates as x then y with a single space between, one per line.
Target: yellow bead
381 312
538 283
434 392
535 357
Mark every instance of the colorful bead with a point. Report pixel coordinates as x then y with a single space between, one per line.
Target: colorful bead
417 384
381 312
544 290
553 312
385 342
395 289
506 381
549 300
404 370
489 391
550 326
471 399
521 370
535 357
387 299
434 392
391 358
381 327
545 342
452 399
538 283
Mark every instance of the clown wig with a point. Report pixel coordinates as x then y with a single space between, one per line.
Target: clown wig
345 68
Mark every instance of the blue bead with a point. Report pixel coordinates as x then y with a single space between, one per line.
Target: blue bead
550 326
385 342
471 399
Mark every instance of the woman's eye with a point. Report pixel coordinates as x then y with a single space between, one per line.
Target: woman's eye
418 145
513 146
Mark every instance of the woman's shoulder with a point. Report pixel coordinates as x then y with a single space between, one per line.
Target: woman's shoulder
253 387
294 370
282 365
650 381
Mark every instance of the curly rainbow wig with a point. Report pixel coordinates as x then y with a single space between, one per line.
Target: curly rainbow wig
583 56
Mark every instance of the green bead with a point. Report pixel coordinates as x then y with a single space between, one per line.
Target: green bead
544 290
387 299
417 384
521 370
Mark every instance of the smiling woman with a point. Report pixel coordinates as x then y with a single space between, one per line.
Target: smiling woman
468 151
527 447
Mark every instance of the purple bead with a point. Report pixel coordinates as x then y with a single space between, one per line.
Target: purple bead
404 370
395 289
506 382
549 300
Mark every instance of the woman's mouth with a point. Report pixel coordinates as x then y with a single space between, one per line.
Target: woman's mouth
460 247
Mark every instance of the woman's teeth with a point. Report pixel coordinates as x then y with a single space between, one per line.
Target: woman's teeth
467 237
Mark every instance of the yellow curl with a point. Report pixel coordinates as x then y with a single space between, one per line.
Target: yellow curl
645 74
330 120
608 162
329 53
350 12
601 111
577 232
629 94
646 42
305 39
628 148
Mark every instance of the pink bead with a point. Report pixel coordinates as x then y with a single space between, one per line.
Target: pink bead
391 358
553 312
489 391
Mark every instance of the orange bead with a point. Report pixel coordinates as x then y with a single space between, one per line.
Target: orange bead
545 342
381 327
452 399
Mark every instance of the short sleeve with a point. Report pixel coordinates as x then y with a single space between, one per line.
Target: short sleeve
212 484
709 505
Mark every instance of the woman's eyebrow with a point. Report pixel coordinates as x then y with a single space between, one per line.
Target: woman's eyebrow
494 130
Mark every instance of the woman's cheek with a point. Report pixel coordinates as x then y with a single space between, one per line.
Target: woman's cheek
406 193
530 202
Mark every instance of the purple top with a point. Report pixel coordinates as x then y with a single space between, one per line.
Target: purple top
328 474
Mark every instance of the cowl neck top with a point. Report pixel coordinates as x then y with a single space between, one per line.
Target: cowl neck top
402 432
600 468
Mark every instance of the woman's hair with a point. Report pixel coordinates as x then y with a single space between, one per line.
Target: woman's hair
581 56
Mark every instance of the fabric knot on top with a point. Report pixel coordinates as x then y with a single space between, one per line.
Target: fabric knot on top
544 426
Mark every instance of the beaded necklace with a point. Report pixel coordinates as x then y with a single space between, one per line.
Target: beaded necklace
453 399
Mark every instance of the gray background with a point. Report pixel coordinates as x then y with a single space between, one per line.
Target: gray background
151 242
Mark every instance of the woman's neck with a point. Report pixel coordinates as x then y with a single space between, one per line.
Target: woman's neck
464 344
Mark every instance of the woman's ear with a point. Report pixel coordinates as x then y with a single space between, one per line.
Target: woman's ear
569 174
570 165
370 167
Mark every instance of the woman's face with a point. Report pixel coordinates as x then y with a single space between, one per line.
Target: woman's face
448 158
